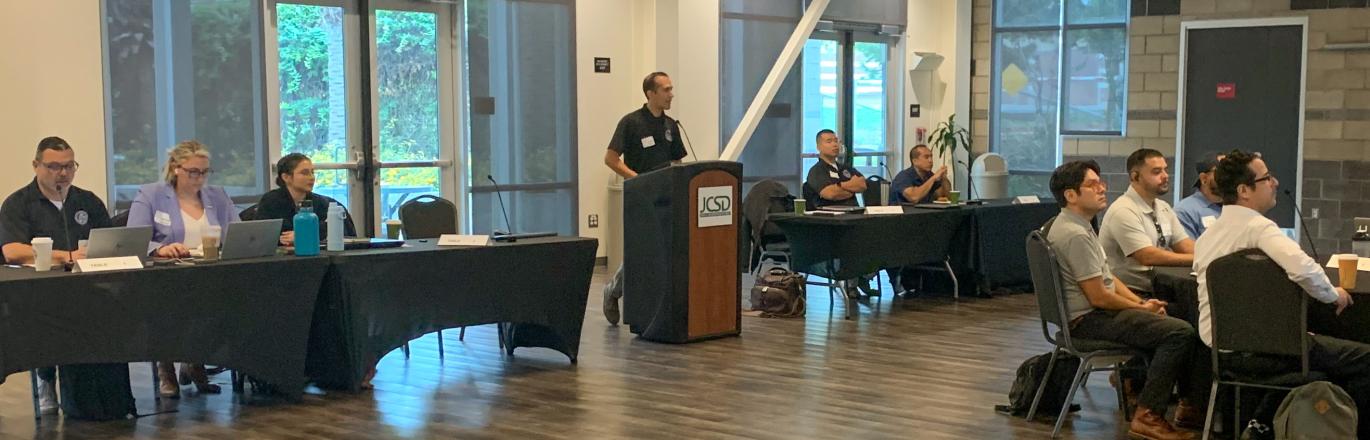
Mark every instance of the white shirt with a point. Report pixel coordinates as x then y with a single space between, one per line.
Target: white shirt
195 229
1130 225
1240 228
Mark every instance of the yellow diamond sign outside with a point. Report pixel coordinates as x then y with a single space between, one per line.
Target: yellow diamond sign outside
1012 80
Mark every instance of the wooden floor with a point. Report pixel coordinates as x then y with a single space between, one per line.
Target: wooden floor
923 368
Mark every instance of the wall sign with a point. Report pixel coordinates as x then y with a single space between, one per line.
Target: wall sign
601 65
1227 90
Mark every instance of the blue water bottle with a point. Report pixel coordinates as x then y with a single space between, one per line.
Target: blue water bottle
306 230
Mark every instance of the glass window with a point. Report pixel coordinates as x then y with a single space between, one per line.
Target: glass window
752 34
407 85
312 69
183 70
1059 69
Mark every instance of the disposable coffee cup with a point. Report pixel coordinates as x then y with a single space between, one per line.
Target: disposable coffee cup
954 197
1346 270
210 243
800 206
42 253
393 228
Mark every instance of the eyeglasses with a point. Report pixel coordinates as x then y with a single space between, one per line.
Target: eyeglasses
1270 177
1097 185
60 167
196 173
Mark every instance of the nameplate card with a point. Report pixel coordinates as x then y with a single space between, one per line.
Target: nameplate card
884 210
89 265
1362 264
463 240
1023 200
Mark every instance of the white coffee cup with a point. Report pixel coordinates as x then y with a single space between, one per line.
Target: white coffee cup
42 253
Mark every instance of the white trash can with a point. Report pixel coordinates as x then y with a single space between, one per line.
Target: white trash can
989 177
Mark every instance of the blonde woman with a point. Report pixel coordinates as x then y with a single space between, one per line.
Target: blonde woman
181 210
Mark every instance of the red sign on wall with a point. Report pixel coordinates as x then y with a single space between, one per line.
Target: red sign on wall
1227 90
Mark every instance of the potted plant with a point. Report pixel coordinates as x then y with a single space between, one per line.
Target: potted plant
947 138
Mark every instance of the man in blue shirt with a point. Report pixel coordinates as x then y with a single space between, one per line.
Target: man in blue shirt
1204 206
918 183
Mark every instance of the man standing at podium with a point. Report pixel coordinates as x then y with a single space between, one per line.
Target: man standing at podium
645 140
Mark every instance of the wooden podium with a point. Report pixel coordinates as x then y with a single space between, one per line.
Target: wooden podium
680 254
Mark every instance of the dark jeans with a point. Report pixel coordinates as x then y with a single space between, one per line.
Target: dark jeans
1346 363
1171 344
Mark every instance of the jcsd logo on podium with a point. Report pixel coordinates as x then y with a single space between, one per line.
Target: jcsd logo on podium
715 206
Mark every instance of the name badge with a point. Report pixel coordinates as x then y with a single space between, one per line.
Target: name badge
1208 221
648 142
1023 200
162 218
832 174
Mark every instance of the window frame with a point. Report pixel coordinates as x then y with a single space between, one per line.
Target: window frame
1062 27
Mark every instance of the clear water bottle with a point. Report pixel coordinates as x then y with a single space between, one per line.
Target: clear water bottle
1360 243
335 228
306 225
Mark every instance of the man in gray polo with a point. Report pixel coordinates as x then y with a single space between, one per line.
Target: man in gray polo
1105 310
1141 231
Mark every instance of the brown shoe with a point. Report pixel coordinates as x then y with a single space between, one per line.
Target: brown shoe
166 380
195 373
1147 425
1188 416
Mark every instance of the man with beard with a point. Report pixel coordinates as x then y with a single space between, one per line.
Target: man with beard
1203 207
1141 231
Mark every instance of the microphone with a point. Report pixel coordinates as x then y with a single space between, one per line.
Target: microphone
1299 211
687 142
888 172
501 208
970 192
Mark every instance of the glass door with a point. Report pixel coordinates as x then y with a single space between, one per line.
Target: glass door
822 61
411 90
311 59
847 88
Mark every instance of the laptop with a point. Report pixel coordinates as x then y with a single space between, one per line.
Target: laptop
250 239
130 241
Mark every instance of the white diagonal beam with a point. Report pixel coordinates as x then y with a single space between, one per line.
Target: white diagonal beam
782 67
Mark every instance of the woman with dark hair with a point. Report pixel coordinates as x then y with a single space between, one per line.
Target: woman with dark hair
294 184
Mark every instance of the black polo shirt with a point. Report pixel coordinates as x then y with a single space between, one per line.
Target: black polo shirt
27 214
647 142
820 176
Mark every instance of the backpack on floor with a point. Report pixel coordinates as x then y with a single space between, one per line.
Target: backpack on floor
779 293
1030 378
1319 410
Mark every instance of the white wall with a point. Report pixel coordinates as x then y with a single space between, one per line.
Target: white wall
52 84
943 27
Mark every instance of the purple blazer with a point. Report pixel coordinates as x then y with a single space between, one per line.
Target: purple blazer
156 206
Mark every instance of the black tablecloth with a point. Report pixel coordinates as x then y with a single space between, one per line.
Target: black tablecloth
374 301
250 315
997 232
1181 289
984 243
851 245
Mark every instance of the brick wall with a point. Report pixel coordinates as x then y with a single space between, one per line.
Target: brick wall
1337 115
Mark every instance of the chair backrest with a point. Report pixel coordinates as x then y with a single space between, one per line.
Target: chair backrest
248 214
872 196
120 220
765 197
1046 283
428 216
1255 308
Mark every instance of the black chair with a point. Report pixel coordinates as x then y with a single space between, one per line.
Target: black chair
766 239
1255 308
1094 355
248 214
119 220
429 216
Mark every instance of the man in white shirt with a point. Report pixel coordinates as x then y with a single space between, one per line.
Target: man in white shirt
1140 230
1248 191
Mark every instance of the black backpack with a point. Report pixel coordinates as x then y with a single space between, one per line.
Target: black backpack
1030 378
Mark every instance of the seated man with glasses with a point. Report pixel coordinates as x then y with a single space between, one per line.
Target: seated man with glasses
52 207
1248 191
1101 309
1141 231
